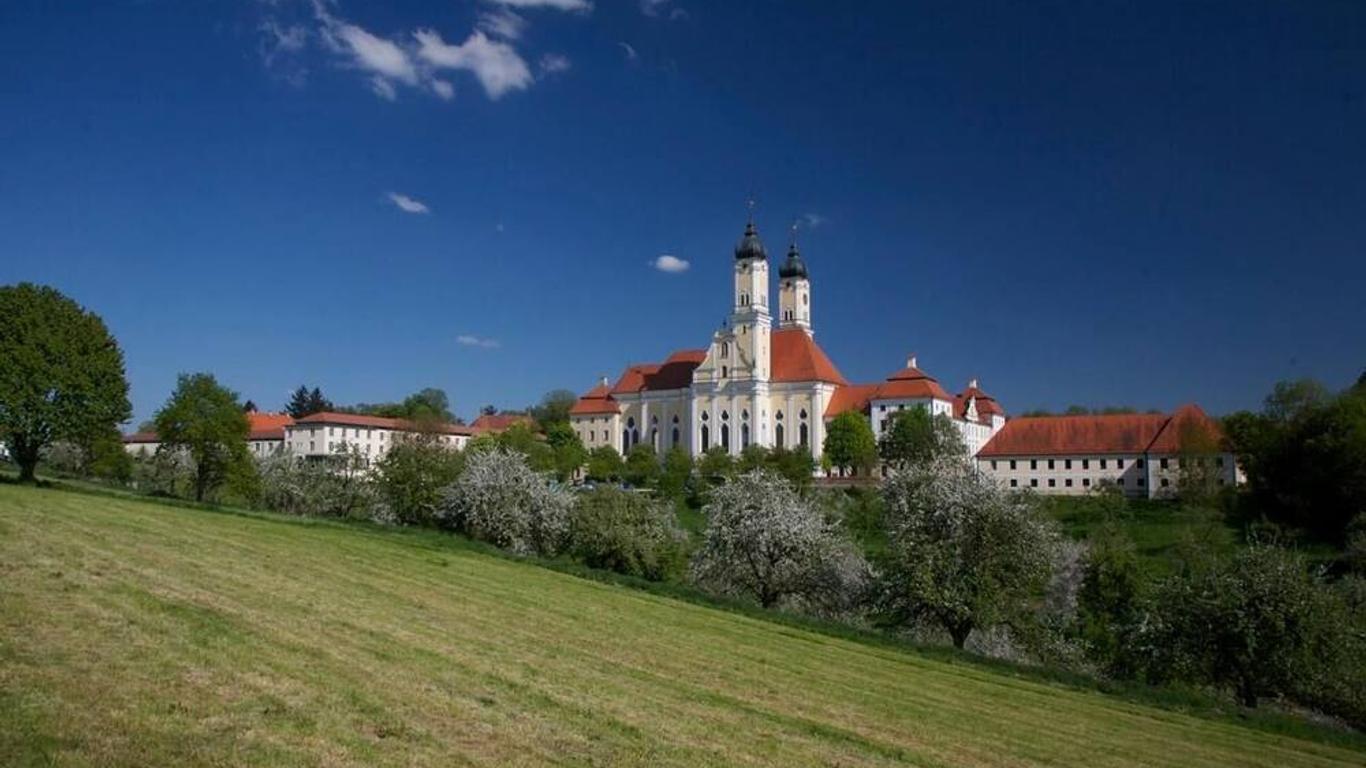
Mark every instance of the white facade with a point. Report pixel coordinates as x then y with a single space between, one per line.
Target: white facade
327 434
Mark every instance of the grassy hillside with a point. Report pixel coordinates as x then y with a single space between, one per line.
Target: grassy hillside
134 633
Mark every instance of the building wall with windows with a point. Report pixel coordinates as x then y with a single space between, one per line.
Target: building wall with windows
1144 455
327 434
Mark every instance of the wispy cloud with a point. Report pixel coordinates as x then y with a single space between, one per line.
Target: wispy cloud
388 64
408 204
671 264
628 49
502 23
552 63
559 5
496 65
470 340
812 220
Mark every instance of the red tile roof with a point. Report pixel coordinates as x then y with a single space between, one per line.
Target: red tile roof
261 426
911 383
797 357
268 426
850 397
986 404
596 401
1189 424
1129 433
381 422
499 422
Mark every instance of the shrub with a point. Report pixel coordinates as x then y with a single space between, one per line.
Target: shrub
499 499
338 487
765 542
410 478
627 533
1243 623
1110 603
961 553
168 472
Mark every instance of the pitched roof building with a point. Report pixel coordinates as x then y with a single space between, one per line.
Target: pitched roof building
761 382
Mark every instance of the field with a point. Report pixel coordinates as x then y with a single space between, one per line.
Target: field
135 633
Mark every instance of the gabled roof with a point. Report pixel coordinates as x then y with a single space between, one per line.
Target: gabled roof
1189 428
381 422
595 401
261 426
986 404
499 422
1128 433
911 383
797 357
850 397
268 426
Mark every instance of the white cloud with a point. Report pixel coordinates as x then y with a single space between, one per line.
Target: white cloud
559 5
502 23
812 220
444 89
496 64
277 39
470 340
383 88
375 54
629 49
552 63
668 263
408 204
652 7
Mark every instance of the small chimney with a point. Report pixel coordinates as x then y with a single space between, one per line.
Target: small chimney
602 382
972 383
910 361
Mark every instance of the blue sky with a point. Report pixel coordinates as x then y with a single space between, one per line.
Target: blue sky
1096 203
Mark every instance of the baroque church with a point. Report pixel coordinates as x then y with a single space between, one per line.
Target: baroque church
758 383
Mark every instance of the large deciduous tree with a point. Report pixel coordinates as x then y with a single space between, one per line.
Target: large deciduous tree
205 419
961 553
849 442
764 541
61 373
554 407
914 436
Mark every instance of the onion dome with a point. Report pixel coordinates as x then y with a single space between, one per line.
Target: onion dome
749 246
794 266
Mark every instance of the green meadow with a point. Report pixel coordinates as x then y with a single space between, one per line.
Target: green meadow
137 633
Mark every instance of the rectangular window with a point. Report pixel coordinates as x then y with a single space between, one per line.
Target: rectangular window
1164 482
1033 463
1142 482
1119 463
1085 463
1067 464
1052 483
993 464
1140 463
1119 482
1014 483
1086 482
1012 463
1102 463
1164 463
1033 482
1067 482
1050 463
1219 462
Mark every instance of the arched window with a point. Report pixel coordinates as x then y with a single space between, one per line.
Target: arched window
804 435
778 435
675 437
706 438
725 437
744 436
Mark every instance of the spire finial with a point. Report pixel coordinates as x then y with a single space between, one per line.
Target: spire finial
792 241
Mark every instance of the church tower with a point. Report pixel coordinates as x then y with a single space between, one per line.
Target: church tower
794 292
749 320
